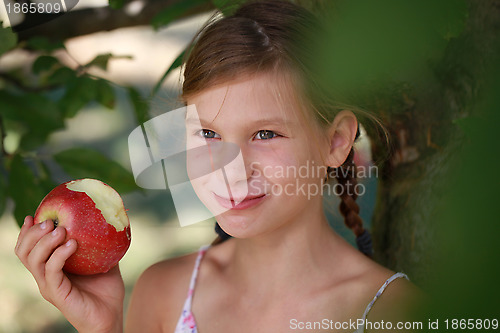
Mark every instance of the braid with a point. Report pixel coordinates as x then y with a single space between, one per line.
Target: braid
346 177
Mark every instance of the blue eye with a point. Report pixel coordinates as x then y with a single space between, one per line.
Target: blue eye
208 134
265 135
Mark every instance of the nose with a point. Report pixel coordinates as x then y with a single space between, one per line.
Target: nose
227 166
237 170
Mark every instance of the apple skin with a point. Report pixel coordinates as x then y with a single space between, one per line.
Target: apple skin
100 244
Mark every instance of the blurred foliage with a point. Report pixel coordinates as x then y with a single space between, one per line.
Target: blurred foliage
8 39
373 40
171 13
116 4
420 68
464 280
36 100
176 64
84 162
429 71
36 104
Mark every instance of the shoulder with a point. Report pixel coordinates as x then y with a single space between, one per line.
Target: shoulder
365 280
396 301
159 294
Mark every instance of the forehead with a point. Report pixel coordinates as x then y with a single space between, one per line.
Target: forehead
254 97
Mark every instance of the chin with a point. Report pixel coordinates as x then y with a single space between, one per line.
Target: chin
238 226
241 225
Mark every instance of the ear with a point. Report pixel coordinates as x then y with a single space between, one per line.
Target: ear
341 134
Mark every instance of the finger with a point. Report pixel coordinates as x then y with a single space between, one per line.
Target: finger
41 252
115 270
57 283
31 237
28 223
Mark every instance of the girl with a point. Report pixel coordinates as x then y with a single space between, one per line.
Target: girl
283 268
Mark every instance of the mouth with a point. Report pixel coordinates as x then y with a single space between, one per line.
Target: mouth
245 203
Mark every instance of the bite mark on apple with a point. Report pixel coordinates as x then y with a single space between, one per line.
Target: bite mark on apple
106 199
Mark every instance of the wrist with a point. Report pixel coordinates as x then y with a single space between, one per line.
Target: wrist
116 328
112 330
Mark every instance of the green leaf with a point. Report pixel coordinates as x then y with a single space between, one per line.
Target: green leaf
39 115
44 44
102 60
3 190
79 92
227 7
62 75
88 163
171 13
44 63
9 107
8 39
24 189
116 4
45 177
470 125
105 94
384 40
140 105
453 16
177 62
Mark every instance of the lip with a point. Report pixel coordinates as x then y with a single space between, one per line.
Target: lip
248 202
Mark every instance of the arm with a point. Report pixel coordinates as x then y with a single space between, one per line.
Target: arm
158 296
143 314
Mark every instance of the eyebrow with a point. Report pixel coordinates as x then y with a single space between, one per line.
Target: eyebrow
257 123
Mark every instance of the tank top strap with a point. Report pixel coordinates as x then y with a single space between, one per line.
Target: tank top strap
194 275
377 295
186 322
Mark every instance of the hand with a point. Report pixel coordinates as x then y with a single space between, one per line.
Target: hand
92 303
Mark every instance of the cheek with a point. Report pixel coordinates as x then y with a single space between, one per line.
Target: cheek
200 160
197 164
274 158
198 168
275 168
284 171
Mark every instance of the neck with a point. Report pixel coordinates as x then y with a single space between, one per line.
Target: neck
291 254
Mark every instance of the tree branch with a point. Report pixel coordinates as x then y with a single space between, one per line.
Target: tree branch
90 20
20 85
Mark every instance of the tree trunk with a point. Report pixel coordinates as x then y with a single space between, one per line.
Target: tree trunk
426 137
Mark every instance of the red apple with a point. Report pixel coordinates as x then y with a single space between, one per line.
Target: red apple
92 214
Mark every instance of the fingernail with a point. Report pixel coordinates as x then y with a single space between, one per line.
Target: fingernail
25 220
68 243
44 225
55 232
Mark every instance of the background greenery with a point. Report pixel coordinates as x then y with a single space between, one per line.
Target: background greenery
426 69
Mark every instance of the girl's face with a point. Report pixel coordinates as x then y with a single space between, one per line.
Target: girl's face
273 169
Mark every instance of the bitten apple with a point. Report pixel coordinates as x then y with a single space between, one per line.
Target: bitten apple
93 214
